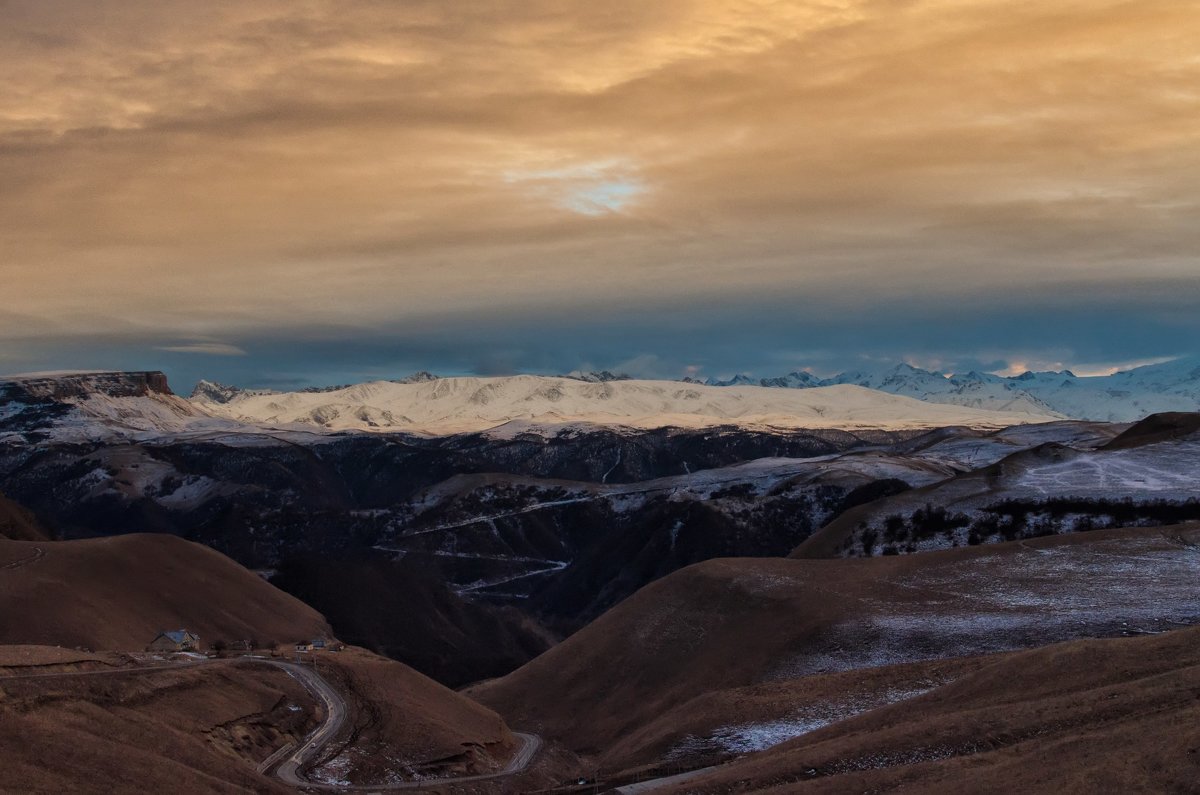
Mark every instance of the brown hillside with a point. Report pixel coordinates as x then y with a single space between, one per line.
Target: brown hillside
405 724
116 593
738 623
1157 428
721 723
107 721
199 729
18 524
1093 716
828 541
401 609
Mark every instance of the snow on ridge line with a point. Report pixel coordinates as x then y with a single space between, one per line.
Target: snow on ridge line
473 404
1125 396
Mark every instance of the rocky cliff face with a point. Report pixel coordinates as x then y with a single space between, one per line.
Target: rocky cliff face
93 406
56 386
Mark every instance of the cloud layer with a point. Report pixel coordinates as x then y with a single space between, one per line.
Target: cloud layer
242 171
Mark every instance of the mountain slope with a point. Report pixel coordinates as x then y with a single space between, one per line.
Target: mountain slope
91 406
1121 397
199 729
407 726
1115 715
401 609
1146 476
18 524
456 405
736 623
119 592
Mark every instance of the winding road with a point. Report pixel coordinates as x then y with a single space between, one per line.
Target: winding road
288 762
289 770
335 717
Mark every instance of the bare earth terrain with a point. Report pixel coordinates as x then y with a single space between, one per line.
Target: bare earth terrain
1093 716
1023 649
119 592
732 656
202 728
124 720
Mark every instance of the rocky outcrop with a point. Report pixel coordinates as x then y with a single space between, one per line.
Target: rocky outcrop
95 405
213 392
62 386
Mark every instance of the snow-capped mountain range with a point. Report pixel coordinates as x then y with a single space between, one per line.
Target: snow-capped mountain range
1122 397
468 404
87 405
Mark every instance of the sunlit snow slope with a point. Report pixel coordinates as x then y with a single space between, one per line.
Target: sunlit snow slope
457 405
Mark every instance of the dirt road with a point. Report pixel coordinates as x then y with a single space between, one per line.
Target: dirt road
288 762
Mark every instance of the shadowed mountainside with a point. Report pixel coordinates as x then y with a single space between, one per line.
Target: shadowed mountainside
18 524
399 609
1143 476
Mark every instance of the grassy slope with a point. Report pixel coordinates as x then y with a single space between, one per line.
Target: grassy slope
743 623
116 593
1092 716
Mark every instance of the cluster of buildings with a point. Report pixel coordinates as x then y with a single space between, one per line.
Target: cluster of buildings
319 644
175 640
181 640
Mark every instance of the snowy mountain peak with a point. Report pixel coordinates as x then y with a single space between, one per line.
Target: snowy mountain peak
89 406
1122 397
597 377
1175 371
213 392
795 380
461 405
419 377
741 379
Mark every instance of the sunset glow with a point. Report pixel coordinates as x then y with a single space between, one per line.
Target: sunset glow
440 185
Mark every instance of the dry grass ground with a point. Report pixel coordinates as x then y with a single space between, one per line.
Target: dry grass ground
1095 716
116 593
404 725
722 723
103 722
100 722
732 642
24 659
198 729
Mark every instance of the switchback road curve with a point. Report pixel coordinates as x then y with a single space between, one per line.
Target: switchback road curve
288 762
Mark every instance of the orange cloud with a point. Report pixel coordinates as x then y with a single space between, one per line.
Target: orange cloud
206 167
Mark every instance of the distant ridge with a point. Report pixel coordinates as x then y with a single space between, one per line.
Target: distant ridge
466 404
1126 396
597 377
84 383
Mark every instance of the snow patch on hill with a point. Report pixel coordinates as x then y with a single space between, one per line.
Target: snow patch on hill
745 738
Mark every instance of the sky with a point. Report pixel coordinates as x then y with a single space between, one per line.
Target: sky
308 192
